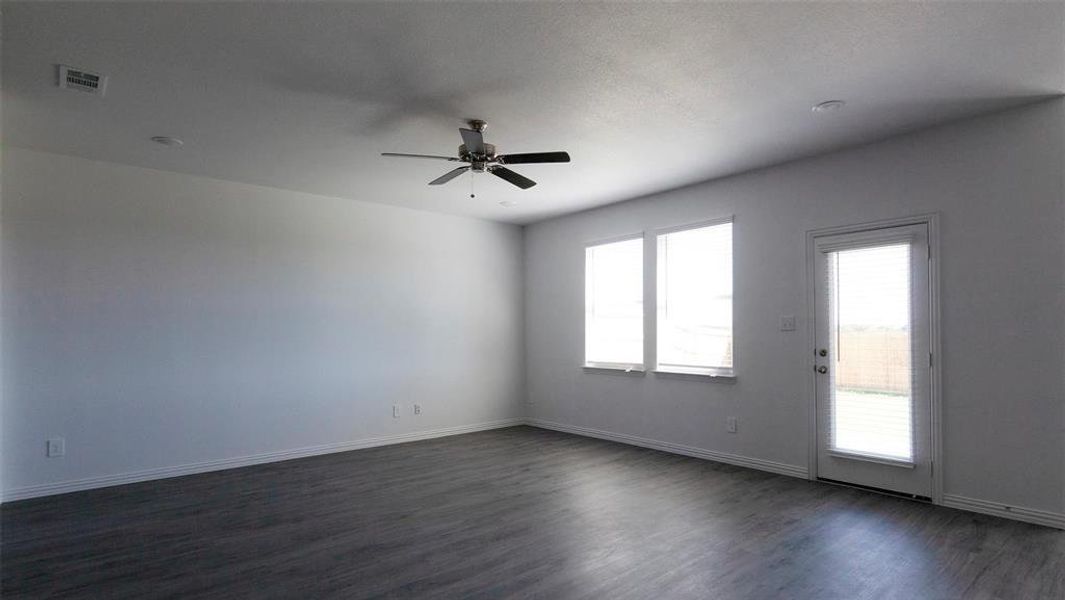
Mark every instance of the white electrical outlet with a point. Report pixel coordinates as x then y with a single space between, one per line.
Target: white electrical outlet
787 323
732 425
417 409
395 411
56 447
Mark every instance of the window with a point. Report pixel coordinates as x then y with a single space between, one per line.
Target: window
695 300
613 297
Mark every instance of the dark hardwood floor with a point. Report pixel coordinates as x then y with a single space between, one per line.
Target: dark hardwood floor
520 513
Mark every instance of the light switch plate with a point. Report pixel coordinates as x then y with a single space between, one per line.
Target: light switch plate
787 323
56 447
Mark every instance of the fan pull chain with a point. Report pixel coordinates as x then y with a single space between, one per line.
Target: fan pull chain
472 195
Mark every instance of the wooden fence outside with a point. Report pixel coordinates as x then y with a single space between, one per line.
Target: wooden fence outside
873 360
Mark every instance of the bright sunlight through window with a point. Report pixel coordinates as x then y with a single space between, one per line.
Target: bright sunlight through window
613 323
872 404
695 300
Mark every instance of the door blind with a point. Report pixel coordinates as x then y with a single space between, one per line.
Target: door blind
871 370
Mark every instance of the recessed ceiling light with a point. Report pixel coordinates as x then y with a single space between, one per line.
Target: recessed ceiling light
508 203
166 140
828 106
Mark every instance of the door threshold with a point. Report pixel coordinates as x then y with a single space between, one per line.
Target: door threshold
876 490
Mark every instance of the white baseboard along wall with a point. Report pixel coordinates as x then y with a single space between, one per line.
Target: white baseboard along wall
1028 515
89 483
1017 513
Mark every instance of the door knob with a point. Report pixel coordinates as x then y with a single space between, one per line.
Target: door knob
822 352
822 369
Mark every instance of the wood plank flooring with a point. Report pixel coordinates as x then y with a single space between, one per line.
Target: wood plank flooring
513 513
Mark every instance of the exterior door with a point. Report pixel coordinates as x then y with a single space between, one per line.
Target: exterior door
872 359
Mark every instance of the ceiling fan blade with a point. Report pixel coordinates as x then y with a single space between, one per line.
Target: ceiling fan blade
430 156
534 157
446 177
473 140
518 180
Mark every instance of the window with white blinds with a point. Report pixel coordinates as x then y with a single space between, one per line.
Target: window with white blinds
871 406
695 300
613 310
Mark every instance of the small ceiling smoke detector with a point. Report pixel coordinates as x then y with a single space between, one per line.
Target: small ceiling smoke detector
166 140
828 106
82 80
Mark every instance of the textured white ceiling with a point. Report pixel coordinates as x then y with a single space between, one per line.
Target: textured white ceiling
645 96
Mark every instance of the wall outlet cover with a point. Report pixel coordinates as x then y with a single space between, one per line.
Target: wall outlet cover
787 323
732 425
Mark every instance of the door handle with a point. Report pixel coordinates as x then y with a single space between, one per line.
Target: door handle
822 369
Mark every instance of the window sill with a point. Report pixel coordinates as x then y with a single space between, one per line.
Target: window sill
631 371
695 375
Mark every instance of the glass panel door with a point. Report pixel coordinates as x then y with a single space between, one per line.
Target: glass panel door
871 359
871 380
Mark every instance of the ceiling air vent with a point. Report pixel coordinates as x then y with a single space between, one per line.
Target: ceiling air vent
84 81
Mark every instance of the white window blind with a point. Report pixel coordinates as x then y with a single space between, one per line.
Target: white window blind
613 324
695 300
870 343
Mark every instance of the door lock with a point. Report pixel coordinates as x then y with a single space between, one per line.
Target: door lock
822 352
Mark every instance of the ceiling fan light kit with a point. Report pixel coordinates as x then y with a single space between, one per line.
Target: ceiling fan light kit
481 157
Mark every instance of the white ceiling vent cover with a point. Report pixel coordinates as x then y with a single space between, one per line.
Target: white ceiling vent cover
81 80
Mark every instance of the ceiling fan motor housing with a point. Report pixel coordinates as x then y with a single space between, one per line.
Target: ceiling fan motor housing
478 160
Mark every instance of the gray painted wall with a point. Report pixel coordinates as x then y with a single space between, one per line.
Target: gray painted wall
996 182
157 319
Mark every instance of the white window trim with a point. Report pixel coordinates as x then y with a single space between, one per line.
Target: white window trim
875 458
695 225
650 307
598 367
717 374
590 366
613 240
701 371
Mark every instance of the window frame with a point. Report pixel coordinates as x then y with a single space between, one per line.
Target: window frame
714 373
650 309
600 366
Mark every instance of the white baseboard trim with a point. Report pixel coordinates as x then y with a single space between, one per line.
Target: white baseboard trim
1028 515
1017 513
50 489
632 440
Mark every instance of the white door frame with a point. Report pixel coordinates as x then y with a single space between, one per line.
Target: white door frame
932 221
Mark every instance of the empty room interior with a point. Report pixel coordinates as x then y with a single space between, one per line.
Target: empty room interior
746 300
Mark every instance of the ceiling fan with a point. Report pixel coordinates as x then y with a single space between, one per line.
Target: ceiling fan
482 158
